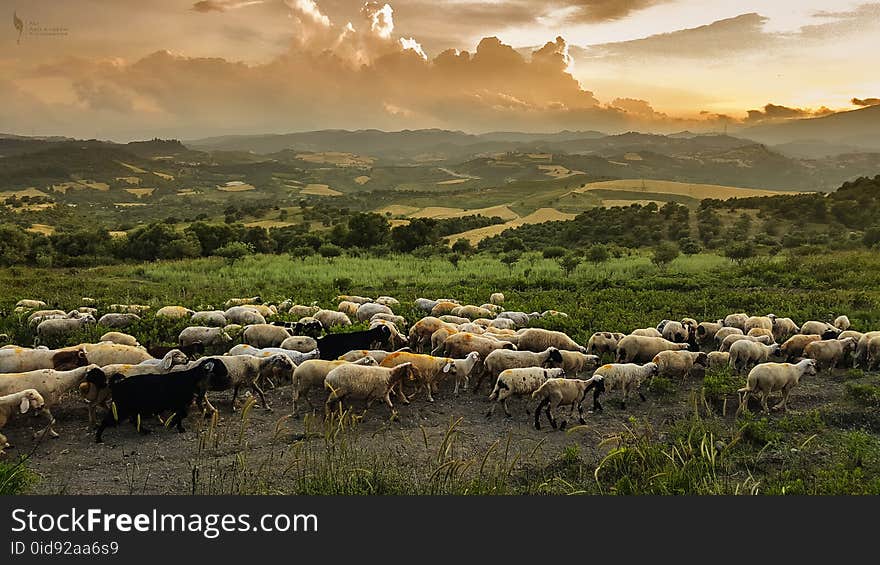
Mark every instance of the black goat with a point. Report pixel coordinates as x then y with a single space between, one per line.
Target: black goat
140 396
331 346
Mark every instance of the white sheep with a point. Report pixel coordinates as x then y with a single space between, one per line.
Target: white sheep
243 301
353 298
726 332
213 318
138 309
329 319
265 335
794 346
394 318
244 315
842 323
295 356
496 298
521 319
387 301
301 343
30 304
521 381
627 377
566 392
679 363
500 360
634 348
745 353
109 353
861 358
216 338
646 332
675 332
718 359
601 343
18 402
51 384
728 341
174 312
576 363
364 383
120 338
823 329
59 328
311 374
538 339
828 353
736 321
15 359
247 370
365 311
769 377
118 320
763 322
301 311
706 331
348 308
783 328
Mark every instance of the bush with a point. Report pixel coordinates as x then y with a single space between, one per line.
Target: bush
554 252
664 254
328 251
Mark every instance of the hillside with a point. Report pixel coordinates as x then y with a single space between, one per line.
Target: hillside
857 128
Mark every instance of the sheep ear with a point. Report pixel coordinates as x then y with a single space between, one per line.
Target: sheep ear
447 368
25 404
166 362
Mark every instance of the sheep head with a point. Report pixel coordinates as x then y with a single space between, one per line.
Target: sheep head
32 400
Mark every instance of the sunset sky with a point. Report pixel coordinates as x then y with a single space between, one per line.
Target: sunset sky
126 69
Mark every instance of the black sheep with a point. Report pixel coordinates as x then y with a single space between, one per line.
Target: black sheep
140 396
331 346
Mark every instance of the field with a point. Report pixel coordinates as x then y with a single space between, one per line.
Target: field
693 190
319 190
536 217
684 439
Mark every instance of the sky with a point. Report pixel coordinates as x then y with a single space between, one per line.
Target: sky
135 69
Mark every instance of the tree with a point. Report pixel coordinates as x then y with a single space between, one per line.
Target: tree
462 246
367 230
454 258
510 259
417 233
554 252
329 251
513 244
739 252
569 263
598 253
234 251
689 246
871 236
664 254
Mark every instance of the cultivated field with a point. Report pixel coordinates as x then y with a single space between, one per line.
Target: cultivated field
698 191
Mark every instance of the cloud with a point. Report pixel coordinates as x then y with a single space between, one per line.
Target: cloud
636 107
865 101
206 6
775 112
596 11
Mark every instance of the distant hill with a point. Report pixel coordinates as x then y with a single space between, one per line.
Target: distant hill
859 128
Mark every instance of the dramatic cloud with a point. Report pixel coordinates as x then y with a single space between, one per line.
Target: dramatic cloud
865 101
222 5
775 112
593 11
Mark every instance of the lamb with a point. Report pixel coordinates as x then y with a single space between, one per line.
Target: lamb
243 301
346 307
794 346
248 370
679 363
601 343
744 353
718 359
301 343
265 335
521 319
444 307
861 357
634 348
763 322
675 332
828 353
17 402
120 338
428 370
59 328
118 320
521 381
646 332
728 341
537 339
329 319
215 339
140 396
472 312
331 346
842 323
300 311
566 392
501 359
212 318
387 301
769 377
706 331
366 311
496 298
174 312
576 363
783 328
824 329
244 315
626 376
108 353
311 374
736 321
51 384
14 359
364 383
725 332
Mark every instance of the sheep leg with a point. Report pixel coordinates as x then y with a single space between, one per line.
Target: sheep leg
427 387
257 388
541 405
764 396
107 421
49 427
549 410
234 396
783 404
491 409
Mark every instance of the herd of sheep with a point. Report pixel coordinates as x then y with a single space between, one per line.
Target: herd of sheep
245 346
